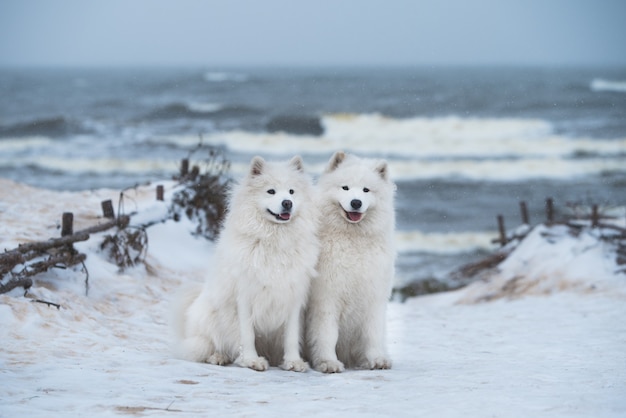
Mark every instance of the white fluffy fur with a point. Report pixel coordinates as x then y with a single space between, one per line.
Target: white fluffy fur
249 310
346 314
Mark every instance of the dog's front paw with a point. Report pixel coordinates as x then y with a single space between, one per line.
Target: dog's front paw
259 364
379 363
298 365
218 359
330 366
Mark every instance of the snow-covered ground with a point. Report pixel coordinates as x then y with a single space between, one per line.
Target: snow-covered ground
550 340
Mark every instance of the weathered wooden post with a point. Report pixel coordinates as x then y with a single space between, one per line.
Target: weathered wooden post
107 209
184 167
159 192
524 212
195 172
595 217
550 210
502 230
67 224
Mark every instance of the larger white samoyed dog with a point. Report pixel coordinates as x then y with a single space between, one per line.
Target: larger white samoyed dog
250 309
346 313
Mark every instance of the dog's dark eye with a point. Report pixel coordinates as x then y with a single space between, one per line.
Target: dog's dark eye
271 191
366 190
291 191
345 188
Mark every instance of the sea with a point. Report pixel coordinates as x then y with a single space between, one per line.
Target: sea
464 144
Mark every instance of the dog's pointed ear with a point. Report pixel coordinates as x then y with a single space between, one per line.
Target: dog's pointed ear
382 170
335 161
256 166
297 163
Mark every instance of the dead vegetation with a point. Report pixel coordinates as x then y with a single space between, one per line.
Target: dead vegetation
127 247
203 199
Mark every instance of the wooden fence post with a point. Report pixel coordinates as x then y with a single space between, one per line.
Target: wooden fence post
595 218
195 172
502 230
159 192
524 212
550 210
107 209
67 224
184 167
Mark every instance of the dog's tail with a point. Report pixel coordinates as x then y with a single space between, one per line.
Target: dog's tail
180 305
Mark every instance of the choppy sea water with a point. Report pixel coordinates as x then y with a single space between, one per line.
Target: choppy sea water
463 144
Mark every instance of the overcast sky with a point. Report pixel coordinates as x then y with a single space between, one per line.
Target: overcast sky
320 32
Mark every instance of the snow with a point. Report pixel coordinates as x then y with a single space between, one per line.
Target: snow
554 347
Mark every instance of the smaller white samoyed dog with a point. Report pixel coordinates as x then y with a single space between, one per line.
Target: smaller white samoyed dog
346 312
250 309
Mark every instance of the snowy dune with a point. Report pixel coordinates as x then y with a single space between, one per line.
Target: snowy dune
554 347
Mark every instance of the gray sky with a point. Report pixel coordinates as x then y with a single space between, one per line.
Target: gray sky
320 32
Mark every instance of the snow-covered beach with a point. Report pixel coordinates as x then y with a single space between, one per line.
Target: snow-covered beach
554 347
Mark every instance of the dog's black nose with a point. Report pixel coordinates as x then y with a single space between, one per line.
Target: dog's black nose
356 203
287 204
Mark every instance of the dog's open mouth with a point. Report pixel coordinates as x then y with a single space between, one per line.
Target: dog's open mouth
354 216
283 217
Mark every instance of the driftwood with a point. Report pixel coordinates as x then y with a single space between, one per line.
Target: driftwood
24 282
26 252
56 252
52 243
120 222
63 259
45 302
472 269
9 260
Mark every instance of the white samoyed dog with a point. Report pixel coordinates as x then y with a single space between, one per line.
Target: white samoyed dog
250 309
346 313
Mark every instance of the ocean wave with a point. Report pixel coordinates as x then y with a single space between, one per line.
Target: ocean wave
421 138
505 170
484 170
220 77
599 84
52 127
99 166
202 107
417 149
443 243
198 110
401 170
298 125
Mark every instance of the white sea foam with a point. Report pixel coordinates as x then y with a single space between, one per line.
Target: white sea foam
202 107
19 144
504 170
218 77
599 84
443 243
94 165
489 170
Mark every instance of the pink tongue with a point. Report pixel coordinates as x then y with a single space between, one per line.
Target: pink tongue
285 216
354 216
